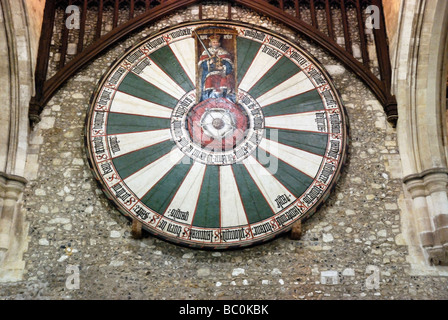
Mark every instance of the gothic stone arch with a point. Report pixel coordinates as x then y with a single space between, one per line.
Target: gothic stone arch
16 74
419 84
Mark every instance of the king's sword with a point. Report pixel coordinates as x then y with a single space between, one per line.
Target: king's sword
203 45
210 56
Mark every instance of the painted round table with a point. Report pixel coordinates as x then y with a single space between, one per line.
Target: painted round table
216 135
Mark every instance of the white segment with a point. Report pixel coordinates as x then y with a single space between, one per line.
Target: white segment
260 65
130 142
187 196
184 51
143 180
156 76
125 103
232 209
295 85
269 186
304 161
299 121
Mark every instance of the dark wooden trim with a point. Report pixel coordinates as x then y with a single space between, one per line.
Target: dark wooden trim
64 39
99 46
99 21
44 48
347 40
381 44
131 9
362 35
358 68
136 230
381 88
296 230
116 13
330 25
382 51
297 7
313 15
82 27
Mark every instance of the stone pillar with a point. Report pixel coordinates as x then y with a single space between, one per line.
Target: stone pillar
422 221
437 188
418 61
11 227
16 77
429 194
3 247
12 188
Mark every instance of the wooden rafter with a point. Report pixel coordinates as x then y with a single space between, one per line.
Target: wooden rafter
154 10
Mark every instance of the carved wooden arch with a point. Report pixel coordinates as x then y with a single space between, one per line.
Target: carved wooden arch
46 88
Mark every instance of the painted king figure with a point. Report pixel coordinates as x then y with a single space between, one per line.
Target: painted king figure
217 71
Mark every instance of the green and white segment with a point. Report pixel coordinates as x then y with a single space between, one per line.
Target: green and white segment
134 156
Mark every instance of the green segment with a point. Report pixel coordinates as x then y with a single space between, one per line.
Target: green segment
208 208
247 50
305 102
281 71
160 196
313 142
136 86
132 162
255 205
126 123
167 61
293 179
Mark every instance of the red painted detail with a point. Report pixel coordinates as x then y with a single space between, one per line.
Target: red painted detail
199 135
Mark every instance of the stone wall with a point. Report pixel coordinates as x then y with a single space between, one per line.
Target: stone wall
352 248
